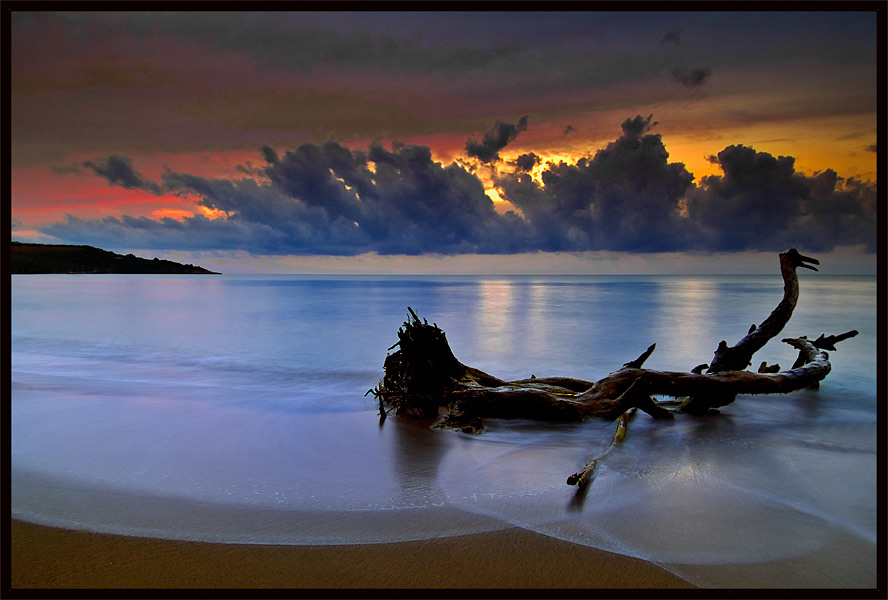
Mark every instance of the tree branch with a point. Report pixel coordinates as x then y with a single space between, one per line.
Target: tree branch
739 356
424 375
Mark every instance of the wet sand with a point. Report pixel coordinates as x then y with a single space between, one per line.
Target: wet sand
47 557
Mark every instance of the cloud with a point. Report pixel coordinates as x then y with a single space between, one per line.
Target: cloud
636 127
570 129
269 154
118 170
626 197
629 197
872 148
193 233
691 77
526 162
502 134
329 199
761 203
673 36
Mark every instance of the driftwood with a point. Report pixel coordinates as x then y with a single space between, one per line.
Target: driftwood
424 379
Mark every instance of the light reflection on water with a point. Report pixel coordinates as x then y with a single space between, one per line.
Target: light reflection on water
686 321
494 315
249 392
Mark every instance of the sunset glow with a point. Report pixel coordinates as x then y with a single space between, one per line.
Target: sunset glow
171 213
280 127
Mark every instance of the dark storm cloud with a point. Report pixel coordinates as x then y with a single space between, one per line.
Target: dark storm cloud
761 203
416 203
526 162
500 136
269 154
320 177
118 170
635 127
197 233
691 77
329 199
625 198
629 197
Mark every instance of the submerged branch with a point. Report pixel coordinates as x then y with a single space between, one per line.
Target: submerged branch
585 475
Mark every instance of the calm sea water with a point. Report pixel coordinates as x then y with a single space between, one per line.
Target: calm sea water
232 409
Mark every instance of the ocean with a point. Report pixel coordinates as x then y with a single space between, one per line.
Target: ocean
232 409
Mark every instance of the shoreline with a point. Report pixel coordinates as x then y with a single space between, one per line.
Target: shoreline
51 558
139 542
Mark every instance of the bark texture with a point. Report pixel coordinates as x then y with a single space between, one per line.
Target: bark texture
423 378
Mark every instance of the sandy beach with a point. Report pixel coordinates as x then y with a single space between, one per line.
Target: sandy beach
46 557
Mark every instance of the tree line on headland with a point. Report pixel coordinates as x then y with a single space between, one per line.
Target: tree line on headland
32 259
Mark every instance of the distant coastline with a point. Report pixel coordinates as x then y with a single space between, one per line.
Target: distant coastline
36 259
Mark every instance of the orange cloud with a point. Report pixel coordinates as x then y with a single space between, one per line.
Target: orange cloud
212 213
172 213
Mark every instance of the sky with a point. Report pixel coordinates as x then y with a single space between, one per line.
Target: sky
449 142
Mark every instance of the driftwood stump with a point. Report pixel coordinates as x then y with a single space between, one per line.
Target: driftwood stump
424 379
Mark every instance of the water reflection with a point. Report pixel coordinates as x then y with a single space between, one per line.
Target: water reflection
228 420
417 453
578 500
684 329
537 311
493 317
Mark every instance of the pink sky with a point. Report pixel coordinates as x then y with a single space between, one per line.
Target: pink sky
202 93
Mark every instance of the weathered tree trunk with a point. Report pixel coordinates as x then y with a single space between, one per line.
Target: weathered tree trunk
739 356
423 376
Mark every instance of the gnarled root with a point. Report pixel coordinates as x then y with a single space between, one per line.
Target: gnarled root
423 376
418 385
